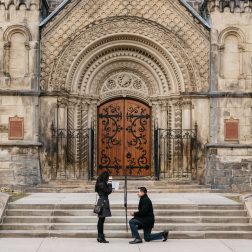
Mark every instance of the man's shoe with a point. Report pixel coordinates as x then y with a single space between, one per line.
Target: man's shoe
136 241
165 235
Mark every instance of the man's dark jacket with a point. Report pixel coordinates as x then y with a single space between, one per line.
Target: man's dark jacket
145 212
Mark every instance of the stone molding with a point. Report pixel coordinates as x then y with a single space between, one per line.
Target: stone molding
178 68
20 4
74 44
229 6
4 199
247 199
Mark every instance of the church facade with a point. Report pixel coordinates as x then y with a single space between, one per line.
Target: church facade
149 89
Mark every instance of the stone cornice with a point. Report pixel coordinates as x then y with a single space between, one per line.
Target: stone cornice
228 145
19 92
21 144
218 94
233 6
29 5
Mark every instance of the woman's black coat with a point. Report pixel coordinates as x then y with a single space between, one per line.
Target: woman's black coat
103 189
145 212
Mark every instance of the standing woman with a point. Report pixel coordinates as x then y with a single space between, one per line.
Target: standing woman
103 187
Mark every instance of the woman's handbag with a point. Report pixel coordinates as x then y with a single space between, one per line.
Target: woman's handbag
97 208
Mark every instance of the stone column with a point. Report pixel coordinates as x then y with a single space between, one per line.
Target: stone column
186 115
62 117
27 60
1 59
34 63
36 119
241 52
6 58
221 52
164 110
84 114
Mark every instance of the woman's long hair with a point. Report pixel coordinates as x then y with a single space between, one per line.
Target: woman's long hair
103 178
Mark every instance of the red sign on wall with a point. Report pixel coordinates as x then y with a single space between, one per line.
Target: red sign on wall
231 129
16 128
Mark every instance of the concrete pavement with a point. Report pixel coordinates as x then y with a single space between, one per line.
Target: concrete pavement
121 245
117 198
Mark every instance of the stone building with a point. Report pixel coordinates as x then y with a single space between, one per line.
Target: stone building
152 89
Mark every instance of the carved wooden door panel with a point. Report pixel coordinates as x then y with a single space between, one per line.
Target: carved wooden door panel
137 138
124 138
111 137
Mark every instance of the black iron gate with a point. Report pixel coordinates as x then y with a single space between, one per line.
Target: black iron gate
175 153
73 153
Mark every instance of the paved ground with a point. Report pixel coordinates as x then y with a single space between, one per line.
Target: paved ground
121 245
117 198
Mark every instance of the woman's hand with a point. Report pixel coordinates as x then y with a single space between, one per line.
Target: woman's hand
110 180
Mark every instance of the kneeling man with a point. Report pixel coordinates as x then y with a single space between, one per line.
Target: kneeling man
144 219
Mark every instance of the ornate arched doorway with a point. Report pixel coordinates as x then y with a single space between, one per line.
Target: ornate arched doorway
124 138
121 58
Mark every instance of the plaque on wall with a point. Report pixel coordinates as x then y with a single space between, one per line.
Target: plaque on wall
231 129
16 128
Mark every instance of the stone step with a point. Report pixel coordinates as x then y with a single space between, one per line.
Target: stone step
161 190
121 219
120 206
129 185
124 234
133 182
121 212
119 226
152 185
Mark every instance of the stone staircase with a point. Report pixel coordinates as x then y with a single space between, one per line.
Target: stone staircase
76 186
77 220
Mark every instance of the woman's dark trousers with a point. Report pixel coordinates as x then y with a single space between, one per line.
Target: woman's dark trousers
100 226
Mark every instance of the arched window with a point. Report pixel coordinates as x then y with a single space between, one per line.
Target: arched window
17 55
231 58
231 46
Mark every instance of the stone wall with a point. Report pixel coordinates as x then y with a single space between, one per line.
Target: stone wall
3 203
229 168
19 91
19 165
229 160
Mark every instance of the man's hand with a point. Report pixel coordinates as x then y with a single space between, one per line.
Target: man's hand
131 213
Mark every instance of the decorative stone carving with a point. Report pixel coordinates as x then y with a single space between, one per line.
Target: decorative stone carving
150 81
175 37
20 4
124 81
229 6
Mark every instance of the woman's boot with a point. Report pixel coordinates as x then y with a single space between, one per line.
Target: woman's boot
103 240
99 238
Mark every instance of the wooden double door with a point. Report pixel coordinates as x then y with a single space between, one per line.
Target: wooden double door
124 138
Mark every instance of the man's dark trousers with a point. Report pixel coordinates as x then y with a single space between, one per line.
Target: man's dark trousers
134 223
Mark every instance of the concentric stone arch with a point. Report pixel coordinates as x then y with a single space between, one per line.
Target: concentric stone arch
162 51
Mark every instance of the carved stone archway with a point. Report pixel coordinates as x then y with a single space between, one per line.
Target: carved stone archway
124 58
115 38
